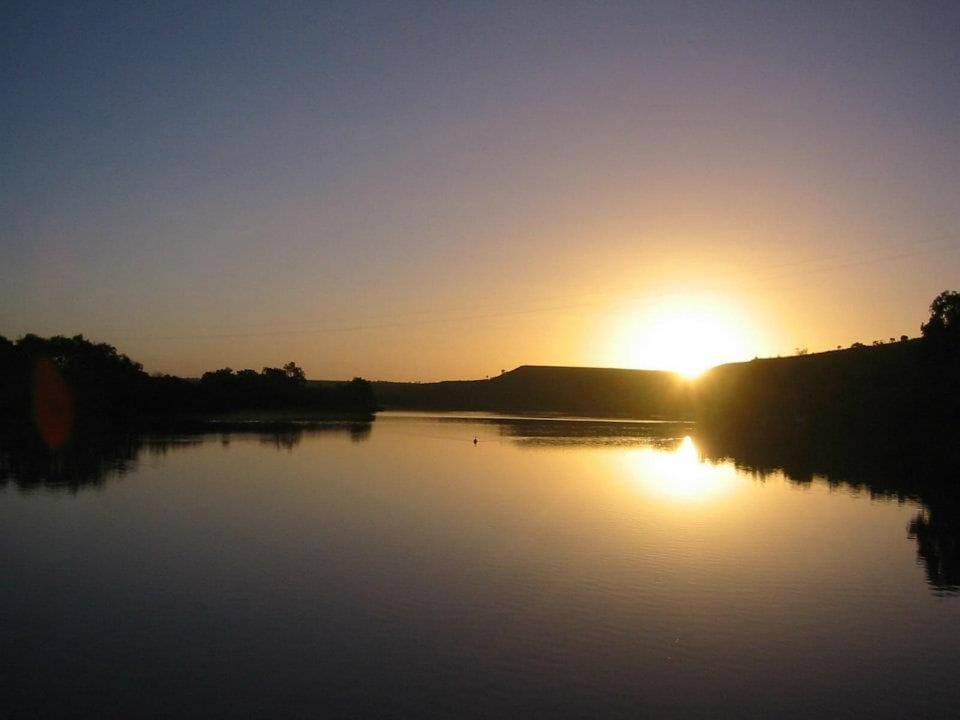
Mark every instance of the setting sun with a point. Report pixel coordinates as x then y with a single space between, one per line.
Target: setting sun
686 335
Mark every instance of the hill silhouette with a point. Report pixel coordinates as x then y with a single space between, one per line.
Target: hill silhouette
908 390
905 392
596 392
859 387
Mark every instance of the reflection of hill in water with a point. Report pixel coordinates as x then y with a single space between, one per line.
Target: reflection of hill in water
937 535
89 461
563 431
902 466
591 432
894 469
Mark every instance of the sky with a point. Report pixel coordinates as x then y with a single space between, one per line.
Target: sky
421 191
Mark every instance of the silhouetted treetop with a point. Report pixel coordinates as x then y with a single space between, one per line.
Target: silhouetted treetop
943 327
295 373
101 381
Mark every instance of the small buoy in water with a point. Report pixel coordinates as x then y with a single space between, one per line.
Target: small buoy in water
474 441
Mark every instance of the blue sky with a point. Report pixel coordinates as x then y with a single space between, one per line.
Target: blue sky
428 190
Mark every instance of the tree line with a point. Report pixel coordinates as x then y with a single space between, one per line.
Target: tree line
61 382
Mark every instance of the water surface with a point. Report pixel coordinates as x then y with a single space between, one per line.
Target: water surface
552 568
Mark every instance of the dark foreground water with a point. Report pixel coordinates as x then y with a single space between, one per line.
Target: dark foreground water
552 569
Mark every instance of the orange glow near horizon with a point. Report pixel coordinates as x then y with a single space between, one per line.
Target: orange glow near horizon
687 335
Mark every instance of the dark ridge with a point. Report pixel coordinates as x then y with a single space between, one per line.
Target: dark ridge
593 392
907 389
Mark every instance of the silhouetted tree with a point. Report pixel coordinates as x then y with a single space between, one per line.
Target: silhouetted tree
12 388
360 394
102 382
295 374
943 327
283 388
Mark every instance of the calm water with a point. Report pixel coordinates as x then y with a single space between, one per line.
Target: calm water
553 569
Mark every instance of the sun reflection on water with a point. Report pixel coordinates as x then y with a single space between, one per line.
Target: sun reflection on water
680 475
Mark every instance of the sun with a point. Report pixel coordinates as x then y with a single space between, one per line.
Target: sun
686 335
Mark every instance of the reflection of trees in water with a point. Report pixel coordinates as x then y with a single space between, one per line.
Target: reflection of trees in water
937 536
286 440
83 462
669 444
289 437
903 466
360 431
160 446
90 460
86 461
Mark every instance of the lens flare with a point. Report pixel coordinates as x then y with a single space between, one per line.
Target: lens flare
52 404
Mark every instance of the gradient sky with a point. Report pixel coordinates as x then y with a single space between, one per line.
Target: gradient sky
442 190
